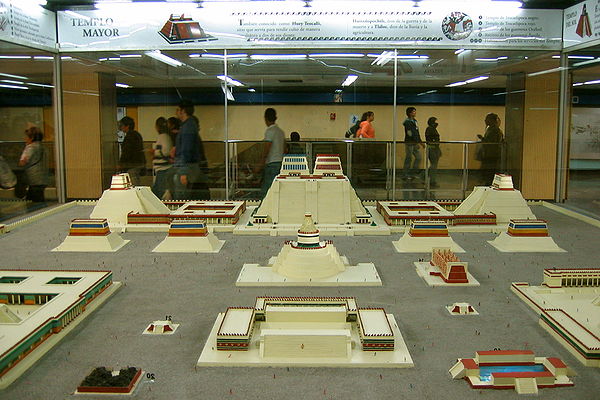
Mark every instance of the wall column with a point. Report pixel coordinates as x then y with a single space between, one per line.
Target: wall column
89 123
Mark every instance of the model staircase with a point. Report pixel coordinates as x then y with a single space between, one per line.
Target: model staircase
526 386
458 370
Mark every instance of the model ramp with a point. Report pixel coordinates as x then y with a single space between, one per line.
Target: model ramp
90 235
123 198
501 199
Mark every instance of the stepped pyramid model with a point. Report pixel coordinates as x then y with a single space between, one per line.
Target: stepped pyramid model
526 235
123 198
189 236
424 236
91 235
326 194
309 261
501 199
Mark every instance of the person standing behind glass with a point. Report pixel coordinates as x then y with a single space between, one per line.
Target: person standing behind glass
492 148
412 141
132 158
273 150
432 137
190 180
34 162
366 130
161 163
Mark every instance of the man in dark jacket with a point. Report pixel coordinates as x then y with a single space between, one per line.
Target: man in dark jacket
191 181
132 159
412 141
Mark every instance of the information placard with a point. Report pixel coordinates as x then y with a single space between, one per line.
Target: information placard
27 24
581 23
271 24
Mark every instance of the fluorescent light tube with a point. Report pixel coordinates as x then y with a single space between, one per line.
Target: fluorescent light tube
349 80
230 80
157 55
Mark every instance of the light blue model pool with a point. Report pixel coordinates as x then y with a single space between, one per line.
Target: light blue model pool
485 372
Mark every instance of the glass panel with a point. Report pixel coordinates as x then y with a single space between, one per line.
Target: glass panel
319 94
583 190
26 83
146 86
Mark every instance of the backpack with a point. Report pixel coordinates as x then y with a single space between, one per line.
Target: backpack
8 179
353 129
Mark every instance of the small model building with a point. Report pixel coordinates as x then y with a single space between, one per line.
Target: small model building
305 331
308 262
220 213
189 236
38 308
424 236
91 235
179 29
326 194
500 199
445 269
401 213
526 235
122 198
165 327
107 382
461 309
518 369
569 307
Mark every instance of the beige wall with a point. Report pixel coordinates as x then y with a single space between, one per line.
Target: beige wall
313 121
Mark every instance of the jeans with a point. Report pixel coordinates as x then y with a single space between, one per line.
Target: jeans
412 151
197 185
163 180
270 172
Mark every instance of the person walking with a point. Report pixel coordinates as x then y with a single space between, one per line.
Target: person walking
132 159
432 137
34 162
412 141
161 161
273 150
366 129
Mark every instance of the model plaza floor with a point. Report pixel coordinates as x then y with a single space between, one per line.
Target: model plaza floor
194 288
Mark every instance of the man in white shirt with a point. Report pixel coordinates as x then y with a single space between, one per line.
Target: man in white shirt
273 150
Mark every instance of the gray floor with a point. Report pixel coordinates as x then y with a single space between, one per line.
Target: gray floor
194 288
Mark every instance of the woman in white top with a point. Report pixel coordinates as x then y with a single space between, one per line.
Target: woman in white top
161 162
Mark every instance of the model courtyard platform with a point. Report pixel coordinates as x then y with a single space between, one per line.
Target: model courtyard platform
38 308
306 332
568 303
508 369
308 261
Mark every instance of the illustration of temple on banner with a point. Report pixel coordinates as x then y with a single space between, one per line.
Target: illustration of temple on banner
179 29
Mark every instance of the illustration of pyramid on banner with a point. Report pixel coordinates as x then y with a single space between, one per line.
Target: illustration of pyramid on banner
308 262
91 235
123 198
501 199
526 235
189 236
584 27
424 236
326 194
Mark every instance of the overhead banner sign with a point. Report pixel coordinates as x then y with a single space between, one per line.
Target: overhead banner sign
26 23
162 26
582 23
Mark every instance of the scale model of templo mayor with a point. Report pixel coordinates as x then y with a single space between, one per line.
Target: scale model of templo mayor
326 194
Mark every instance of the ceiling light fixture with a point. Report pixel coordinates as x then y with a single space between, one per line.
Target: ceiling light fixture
349 80
157 55
122 85
277 56
14 76
334 55
13 87
230 80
